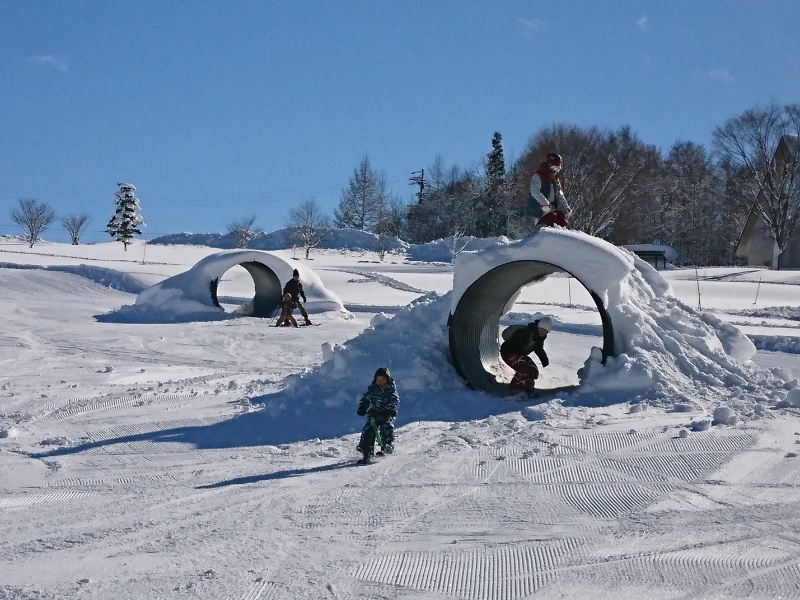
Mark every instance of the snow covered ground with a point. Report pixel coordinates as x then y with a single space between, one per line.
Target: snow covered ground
149 457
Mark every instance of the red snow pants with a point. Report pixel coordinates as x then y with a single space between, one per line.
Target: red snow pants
525 372
554 217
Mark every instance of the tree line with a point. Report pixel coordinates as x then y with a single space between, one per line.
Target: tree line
619 187
35 217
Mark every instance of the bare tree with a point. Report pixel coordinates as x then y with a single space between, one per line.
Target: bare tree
693 214
605 174
455 245
75 226
310 225
242 231
34 217
364 199
761 150
452 202
390 224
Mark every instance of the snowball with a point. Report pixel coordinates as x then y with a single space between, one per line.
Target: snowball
9 432
793 399
703 425
724 415
534 414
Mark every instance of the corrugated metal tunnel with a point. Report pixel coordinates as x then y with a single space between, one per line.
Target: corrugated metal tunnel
268 289
473 326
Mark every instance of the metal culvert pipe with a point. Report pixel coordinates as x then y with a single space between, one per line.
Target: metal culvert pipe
268 289
473 326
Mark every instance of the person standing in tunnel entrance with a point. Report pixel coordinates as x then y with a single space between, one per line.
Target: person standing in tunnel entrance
515 350
294 288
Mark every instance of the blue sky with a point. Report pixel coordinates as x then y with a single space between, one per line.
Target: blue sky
221 110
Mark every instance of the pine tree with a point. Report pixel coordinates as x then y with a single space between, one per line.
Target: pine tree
125 222
493 203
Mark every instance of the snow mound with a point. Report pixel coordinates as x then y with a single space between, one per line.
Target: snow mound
670 355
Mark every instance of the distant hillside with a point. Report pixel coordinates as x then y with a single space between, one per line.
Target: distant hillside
347 239
336 239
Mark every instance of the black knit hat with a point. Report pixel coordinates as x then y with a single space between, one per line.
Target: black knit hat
383 371
296 273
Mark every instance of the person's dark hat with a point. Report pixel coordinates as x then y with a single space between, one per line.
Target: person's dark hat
383 371
295 273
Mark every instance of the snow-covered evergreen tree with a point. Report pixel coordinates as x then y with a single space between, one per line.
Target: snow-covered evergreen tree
125 222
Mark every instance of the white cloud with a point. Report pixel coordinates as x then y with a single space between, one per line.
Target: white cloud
642 23
721 74
59 63
531 26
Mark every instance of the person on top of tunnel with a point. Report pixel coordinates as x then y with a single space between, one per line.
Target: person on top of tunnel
546 200
515 350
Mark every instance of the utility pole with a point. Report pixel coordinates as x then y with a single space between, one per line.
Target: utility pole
418 178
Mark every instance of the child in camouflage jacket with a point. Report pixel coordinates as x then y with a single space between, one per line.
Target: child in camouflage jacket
379 403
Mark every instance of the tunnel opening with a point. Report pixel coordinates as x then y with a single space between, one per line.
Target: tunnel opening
473 326
264 285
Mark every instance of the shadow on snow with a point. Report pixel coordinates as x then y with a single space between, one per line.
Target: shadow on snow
285 421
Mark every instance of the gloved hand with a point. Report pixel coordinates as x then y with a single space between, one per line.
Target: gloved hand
545 363
362 408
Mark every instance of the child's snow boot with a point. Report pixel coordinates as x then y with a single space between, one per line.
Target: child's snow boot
367 458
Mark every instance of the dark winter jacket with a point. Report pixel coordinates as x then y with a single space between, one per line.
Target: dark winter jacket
380 403
295 288
524 341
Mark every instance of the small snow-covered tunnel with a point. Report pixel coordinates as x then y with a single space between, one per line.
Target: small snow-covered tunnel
195 290
268 289
487 282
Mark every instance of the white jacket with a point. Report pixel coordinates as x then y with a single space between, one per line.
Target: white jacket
556 199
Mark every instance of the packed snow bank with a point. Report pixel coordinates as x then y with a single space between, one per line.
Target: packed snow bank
668 354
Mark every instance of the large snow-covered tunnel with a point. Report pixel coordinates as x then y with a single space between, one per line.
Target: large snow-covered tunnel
486 284
195 290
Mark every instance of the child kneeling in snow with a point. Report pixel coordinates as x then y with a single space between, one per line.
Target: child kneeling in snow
379 403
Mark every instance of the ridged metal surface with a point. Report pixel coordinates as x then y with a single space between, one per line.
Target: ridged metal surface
269 290
474 345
